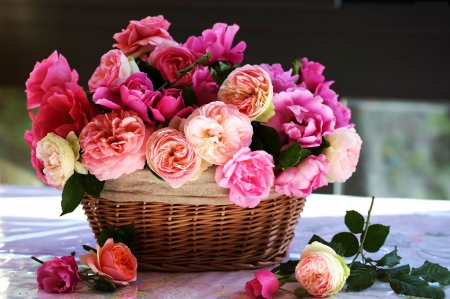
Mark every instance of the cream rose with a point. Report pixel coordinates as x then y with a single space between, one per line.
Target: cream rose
321 271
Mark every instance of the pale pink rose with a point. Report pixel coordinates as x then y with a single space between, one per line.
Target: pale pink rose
169 60
264 284
53 71
113 70
301 180
171 156
217 41
113 261
217 131
60 275
281 80
330 98
299 116
311 74
249 88
204 87
320 271
343 153
249 176
142 36
114 144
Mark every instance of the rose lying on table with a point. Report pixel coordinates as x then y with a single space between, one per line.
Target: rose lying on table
321 271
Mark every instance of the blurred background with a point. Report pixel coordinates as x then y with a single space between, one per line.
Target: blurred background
390 61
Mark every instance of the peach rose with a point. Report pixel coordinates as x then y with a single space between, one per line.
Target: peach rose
343 153
217 131
114 144
171 156
113 261
320 271
250 89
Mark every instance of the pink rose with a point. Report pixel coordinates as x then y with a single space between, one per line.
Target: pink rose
60 275
320 271
142 36
330 98
249 176
264 284
249 88
217 41
311 74
171 156
204 86
301 180
217 131
301 117
169 58
343 153
114 144
281 80
113 70
53 71
113 261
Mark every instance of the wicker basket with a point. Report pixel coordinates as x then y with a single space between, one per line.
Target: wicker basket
201 237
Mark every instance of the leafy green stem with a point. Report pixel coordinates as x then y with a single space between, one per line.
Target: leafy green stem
37 260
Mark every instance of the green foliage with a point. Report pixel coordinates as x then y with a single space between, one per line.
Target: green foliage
376 236
89 248
336 247
296 65
348 241
292 155
189 68
409 285
153 74
354 221
103 284
220 71
268 137
361 278
92 185
390 260
125 234
72 194
432 272
387 274
188 95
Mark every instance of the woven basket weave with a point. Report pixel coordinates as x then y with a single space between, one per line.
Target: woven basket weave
201 237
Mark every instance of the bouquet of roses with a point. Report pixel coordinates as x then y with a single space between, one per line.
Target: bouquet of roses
180 108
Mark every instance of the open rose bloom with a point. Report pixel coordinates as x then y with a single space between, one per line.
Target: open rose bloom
176 108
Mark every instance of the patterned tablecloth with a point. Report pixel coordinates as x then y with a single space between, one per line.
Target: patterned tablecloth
419 229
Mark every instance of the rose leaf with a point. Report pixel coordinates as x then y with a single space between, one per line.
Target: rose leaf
72 194
348 241
432 272
376 236
405 284
390 260
354 221
361 279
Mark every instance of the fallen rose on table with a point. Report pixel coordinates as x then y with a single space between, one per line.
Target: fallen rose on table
321 270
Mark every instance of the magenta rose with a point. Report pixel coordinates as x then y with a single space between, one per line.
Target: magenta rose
301 180
330 98
53 71
60 275
217 41
281 80
265 285
114 144
311 74
299 116
142 36
204 86
169 58
249 176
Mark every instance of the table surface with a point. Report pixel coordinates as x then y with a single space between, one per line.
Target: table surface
30 225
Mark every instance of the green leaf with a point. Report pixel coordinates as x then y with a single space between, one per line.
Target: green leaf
348 241
289 266
256 144
92 185
432 272
89 248
269 138
292 155
72 194
376 236
188 95
388 273
220 71
354 221
405 284
107 233
189 68
296 65
335 246
128 235
361 279
104 284
300 292
153 74
390 260
357 265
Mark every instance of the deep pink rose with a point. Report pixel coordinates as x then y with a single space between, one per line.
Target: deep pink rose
53 71
281 80
301 180
142 36
264 284
330 98
37 163
249 176
169 58
60 275
114 144
311 74
299 116
217 41
113 261
113 70
204 86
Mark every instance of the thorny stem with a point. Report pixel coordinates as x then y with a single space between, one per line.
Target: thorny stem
37 260
360 250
